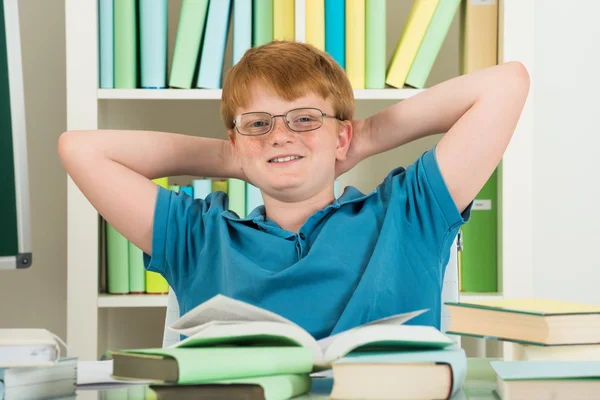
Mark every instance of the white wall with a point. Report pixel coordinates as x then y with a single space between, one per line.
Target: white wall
36 297
566 191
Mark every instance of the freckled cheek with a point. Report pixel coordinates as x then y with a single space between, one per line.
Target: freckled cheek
251 150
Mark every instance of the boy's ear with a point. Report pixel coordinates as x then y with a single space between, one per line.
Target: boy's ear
231 136
344 137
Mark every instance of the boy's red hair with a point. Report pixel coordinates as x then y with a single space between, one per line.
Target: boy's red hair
291 70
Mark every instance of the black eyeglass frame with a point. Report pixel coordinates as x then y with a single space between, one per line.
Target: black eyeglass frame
285 120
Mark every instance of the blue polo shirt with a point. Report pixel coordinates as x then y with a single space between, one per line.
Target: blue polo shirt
361 258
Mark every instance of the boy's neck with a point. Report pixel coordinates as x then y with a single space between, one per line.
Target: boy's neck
292 215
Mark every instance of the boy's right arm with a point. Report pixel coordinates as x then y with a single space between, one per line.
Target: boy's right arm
113 169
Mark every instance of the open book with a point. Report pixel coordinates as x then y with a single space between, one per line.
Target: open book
223 320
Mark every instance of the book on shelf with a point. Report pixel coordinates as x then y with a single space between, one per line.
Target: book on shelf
283 20
528 321
355 43
335 30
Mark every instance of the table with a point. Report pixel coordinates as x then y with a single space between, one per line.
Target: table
479 385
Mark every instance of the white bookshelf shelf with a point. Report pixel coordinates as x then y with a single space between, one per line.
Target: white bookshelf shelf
215 94
468 296
106 300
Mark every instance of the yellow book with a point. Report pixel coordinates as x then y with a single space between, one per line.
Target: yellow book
478 43
155 283
315 23
283 20
412 36
219 185
355 43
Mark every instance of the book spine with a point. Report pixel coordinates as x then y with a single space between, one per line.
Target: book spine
253 198
117 261
283 20
202 188
300 20
315 23
335 30
410 41
355 43
237 196
213 49
375 31
262 22
190 31
432 43
155 282
478 43
106 28
125 44
479 265
137 275
242 28
153 43
219 185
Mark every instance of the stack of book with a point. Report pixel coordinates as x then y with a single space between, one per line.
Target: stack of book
236 349
552 347
31 366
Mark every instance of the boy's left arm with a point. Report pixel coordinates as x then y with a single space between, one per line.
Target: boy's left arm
478 113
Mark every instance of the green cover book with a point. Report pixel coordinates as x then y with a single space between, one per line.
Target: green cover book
117 261
375 32
208 364
432 43
137 273
190 31
126 48
479 264
262 22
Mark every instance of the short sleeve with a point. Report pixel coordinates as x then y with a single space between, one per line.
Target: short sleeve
178 234
422 199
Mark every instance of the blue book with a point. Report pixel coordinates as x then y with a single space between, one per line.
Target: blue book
242 28
189 190
215 40
546 370
106 34
201 188
253 198
335 30
153 43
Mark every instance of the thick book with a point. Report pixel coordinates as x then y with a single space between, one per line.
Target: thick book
40 382
527 321
355 42
315 23
375 42
153 43
210 70
242 28
225 321
106 43
262 22
28 347
478 37
125 44
275 387
283 20
430 374
335 30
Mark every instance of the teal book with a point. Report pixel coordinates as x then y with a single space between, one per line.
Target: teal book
262 22
213 50
432 43
387 368
117 261
242 28
153 43
188 42
544 370
375 32
335 30
125 44
202 188
106 42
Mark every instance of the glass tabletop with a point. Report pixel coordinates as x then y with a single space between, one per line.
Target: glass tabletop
480 384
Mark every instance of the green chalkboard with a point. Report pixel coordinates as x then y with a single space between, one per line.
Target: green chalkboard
14 192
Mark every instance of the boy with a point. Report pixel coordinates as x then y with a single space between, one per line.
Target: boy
327 264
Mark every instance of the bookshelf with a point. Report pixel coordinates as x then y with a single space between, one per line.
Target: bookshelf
89 311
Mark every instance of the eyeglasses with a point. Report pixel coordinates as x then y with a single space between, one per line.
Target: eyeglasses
297 120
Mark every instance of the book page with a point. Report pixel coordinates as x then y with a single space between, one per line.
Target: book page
223 308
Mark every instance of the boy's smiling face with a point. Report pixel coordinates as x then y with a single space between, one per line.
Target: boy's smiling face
311 171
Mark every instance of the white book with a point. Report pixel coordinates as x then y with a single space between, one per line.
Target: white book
28 348
223 320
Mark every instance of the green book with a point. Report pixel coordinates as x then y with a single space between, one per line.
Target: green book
276 387
194 365
125 47
190 31
137 272
432 43
479 264
237 196
262 22
117 261
375 32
